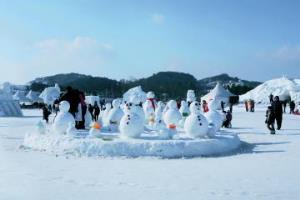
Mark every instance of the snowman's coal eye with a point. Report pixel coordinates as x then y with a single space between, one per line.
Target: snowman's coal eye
196 104
130 104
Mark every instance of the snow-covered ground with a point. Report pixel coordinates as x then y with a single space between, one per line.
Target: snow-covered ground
265 168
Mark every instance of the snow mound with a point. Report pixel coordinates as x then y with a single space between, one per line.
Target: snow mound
149 145
136 92
282 87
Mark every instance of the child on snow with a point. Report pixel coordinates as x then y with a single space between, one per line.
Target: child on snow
270 119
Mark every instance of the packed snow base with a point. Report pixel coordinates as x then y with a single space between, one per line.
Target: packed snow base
148 145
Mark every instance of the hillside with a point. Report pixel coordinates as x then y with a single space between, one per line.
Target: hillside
234 84
164 84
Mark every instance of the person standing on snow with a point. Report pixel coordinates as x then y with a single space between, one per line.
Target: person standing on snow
270 119
96 111
277 109
292 107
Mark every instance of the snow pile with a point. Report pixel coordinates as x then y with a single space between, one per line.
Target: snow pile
148 146
282 87
136 92
50 94
8 106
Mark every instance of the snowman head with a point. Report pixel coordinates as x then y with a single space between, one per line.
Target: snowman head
130 108
64 106
184 104
116 103
135 100
150 95
195 107
172 104
107 106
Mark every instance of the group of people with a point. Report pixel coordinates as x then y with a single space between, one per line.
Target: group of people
78 107
249 105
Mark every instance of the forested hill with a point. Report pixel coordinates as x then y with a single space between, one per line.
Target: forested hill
164 84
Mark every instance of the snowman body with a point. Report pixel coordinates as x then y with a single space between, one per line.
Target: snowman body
196 124
104 114
131 124
63 119
215 118
115 114
71 130
159 122
149 112
172 115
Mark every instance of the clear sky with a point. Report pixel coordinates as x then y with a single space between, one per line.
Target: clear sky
251 39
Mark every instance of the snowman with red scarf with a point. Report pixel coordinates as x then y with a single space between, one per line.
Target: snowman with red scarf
149 108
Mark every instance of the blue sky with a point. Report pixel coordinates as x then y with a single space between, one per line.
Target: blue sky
251 39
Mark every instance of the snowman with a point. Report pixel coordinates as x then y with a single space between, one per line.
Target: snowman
196 124
71 130
88 119
190 96
159 123
104 114
131 124
149 112
115 115
184 111
63 119
172 115
95 130
214 118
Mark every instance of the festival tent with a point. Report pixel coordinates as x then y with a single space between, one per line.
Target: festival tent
33 97
20 96
8 106
218 94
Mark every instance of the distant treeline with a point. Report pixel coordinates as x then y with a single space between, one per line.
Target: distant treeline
164 84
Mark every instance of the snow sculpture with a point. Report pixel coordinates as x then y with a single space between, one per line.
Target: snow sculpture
214 118
190 97
115 115
64 118
172 116
95 130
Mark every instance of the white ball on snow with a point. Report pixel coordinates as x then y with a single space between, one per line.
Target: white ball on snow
64 118
196 124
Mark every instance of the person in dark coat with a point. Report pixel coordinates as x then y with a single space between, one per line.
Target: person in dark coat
284 105
277 109
228 118
91 110
46 113
292 107
270 119
72 96
96 111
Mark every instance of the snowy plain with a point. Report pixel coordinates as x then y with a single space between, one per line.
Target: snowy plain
266 167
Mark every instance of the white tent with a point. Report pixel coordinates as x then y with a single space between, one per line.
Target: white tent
50 94
137 92
33 96
283 87
8 107
21 97
218 94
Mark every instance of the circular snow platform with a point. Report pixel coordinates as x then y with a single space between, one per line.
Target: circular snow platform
148 145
